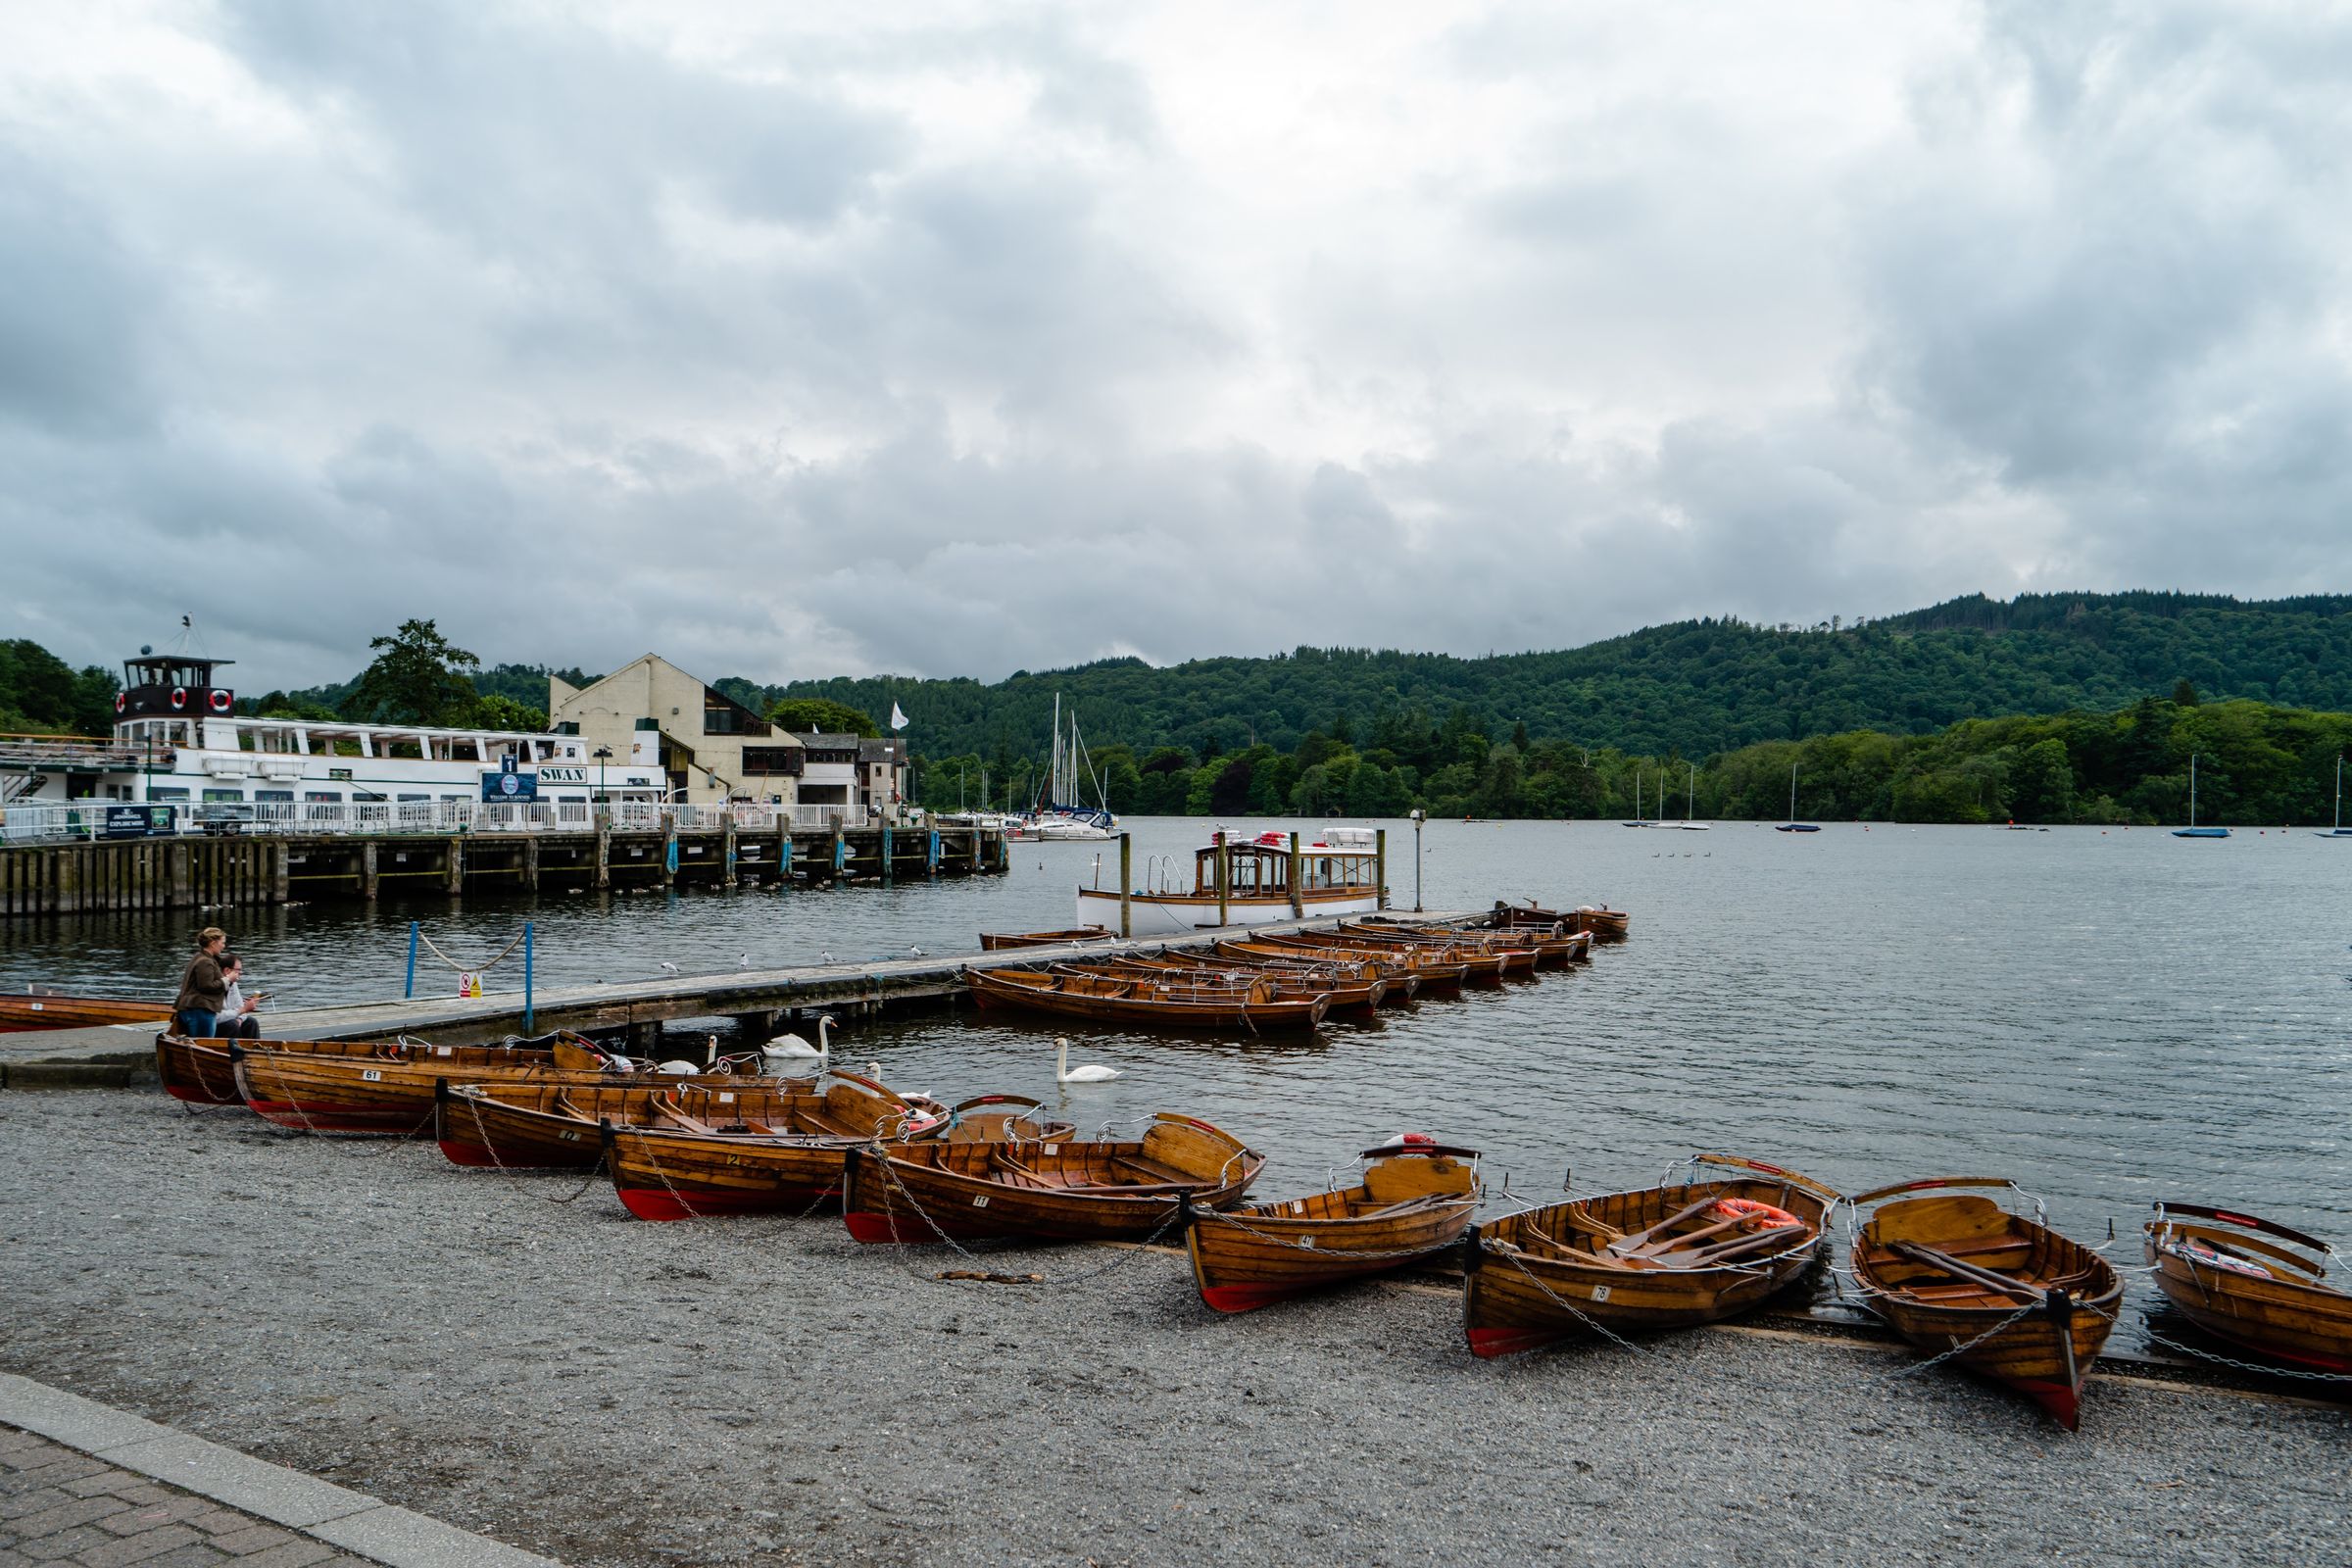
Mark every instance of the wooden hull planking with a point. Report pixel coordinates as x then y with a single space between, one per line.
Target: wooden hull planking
2291 1314
1051 1190
21 1011
1115 1003
1408 1210
1529 1283
2046 1352
197 1071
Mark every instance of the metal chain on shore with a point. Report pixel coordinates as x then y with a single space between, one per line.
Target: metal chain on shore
1516 1260
1962 1348
2242 1366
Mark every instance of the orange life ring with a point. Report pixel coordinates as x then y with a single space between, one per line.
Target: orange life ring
1752 1214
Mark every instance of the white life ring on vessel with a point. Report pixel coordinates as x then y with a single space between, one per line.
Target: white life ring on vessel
218 700
121 702
180 698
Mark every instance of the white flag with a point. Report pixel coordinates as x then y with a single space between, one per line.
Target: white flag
898 719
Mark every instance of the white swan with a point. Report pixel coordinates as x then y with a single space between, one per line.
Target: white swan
789 1047
680 1069
1063 1072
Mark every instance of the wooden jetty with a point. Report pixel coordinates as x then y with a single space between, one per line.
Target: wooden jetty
195 871
756 1000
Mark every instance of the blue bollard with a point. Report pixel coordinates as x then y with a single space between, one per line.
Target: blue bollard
409 989
526 978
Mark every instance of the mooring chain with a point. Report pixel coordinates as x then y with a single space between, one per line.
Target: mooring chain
1516 1261
1964 1346
2245 1366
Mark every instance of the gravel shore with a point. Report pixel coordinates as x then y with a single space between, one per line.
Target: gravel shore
766 1391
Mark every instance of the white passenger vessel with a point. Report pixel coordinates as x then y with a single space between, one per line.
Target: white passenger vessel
179 742
1338 874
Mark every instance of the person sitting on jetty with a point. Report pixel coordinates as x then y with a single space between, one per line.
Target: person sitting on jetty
236 1020
202 990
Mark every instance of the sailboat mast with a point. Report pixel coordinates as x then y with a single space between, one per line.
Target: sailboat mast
1791 792
2339 792
1690 792
2192 789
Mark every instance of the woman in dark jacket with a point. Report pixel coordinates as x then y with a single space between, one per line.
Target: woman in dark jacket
202 990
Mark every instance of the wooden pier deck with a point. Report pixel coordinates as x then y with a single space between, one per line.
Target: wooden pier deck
757 998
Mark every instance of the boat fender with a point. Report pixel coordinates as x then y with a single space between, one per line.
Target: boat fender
1752 1214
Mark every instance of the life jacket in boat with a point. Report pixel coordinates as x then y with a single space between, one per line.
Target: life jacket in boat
1752 1215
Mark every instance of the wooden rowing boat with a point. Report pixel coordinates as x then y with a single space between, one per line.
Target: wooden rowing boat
383 1085
2254 1282
1473 966
1183 975
1512 956
2004 1295
197 1071
1046 1190
46 1009
1434 974
999 940
1349 988
555 1126
540 1125
1414 1200
1605 924
1403 980
203 1071
1684 1252
1134 1002
1554 946
679 1165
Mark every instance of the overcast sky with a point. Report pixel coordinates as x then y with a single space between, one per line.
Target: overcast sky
804 340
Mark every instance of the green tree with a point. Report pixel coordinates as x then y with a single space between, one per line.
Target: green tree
418 677
802 714
2184 695
499 711
2042 784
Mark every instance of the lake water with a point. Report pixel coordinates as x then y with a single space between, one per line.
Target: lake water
2108 1016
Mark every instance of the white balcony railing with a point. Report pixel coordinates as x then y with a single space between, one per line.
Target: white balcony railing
105 820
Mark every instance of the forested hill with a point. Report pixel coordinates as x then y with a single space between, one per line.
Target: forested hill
1693 687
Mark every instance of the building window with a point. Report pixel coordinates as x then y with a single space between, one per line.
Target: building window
770 760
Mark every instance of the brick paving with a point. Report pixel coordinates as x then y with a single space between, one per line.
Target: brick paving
58 1505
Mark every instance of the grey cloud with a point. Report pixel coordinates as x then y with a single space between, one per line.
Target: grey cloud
584 347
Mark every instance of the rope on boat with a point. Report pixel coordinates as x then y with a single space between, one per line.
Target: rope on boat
880 1154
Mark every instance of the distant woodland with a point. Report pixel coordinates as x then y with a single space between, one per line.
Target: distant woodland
2045 708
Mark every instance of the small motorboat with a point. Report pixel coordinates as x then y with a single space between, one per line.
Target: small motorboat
1414 1200
2006 1296
2253 1282
1052 1188
1001 941
1687 1251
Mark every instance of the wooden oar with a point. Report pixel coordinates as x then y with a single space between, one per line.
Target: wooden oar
1676 1244
1946 1263
1724 1252
1624 1246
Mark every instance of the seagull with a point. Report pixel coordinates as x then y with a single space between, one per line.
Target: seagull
913 950
743 961
1063 1072
827 957
669 969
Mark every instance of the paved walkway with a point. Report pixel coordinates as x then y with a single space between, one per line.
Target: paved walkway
85 1483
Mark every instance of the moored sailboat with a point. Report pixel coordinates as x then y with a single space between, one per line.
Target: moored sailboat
2192 831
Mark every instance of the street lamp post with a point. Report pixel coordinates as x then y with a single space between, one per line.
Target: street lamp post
604 802
1419 817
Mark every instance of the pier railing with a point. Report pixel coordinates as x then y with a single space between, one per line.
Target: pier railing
96 820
